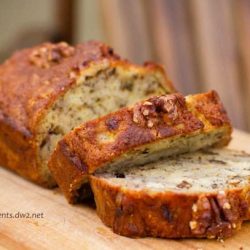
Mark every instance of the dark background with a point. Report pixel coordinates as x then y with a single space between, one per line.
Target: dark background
203 44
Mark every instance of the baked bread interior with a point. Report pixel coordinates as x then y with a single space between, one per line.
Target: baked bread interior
101 93
203 194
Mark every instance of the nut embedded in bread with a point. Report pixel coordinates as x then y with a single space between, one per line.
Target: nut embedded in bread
200 195
47 90
146 132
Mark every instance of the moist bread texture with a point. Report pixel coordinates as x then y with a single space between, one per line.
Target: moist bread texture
47 90
146 132
203 194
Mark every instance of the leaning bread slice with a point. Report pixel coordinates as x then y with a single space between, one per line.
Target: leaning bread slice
152 129
47 90
202 194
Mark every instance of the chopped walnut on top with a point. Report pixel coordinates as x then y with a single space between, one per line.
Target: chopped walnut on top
151 112
49 54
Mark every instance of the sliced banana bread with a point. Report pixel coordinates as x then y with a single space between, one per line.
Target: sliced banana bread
47 90
204 194
152 129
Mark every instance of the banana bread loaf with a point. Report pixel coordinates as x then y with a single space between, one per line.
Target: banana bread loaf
157 127
47 90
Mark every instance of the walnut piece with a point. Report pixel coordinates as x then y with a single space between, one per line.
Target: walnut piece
193 225
184 184
150 113
50 54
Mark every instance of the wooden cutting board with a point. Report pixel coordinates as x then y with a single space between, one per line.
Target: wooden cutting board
64 226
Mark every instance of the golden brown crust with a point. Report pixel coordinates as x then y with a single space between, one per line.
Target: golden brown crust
30 82
168 214
210 109
103 140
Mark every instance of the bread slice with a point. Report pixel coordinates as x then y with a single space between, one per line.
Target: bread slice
203 194
152 129
47 90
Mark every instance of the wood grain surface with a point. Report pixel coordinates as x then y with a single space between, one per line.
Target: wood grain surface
77 227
